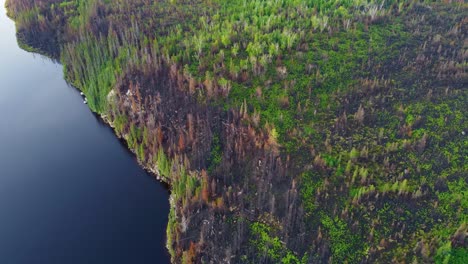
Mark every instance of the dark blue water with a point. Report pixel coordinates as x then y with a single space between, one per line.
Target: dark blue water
70 192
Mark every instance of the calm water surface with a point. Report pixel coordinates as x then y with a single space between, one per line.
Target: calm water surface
70 192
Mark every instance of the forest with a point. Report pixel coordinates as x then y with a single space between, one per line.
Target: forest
289 131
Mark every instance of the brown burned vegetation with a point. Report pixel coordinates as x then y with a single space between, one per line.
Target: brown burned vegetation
290 131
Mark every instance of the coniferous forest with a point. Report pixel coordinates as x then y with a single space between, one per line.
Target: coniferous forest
289 131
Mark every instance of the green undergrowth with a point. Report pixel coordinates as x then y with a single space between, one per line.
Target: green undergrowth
367 99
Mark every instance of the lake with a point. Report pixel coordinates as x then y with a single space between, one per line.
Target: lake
70 191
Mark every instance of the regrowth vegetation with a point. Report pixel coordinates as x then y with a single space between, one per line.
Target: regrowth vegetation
292 131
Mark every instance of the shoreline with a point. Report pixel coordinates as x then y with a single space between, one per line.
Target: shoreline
22 44
153 172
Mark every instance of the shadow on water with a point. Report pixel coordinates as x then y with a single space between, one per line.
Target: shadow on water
70 191
102 123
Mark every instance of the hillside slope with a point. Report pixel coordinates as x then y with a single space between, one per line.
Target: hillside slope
290 131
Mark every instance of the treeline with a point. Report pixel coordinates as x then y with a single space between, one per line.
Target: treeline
291 131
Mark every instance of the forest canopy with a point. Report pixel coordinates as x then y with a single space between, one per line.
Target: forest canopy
303 131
